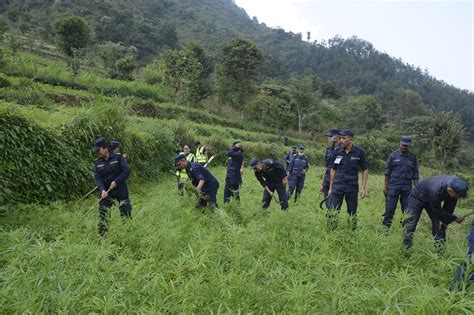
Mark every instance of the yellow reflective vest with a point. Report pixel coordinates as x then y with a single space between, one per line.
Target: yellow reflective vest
200 156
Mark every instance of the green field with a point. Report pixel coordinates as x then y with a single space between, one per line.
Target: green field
171 258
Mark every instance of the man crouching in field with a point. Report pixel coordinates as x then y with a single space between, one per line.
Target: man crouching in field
206 184
111 171
438 195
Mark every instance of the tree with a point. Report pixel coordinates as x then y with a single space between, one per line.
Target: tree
448 134
3 26
119 61
237 71
303 99
362 113
73 35
328 90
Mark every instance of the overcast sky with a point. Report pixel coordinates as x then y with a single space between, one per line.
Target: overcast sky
437 35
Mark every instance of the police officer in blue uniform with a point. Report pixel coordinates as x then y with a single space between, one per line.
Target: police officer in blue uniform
111 172
272 176
401 174
344 180
438 195
464 273
290 155
205 183
297 172
233 179
334 143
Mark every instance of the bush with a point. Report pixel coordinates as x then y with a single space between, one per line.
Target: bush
36 165
4 82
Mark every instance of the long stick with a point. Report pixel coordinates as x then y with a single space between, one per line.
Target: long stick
210 160
87 195
86 214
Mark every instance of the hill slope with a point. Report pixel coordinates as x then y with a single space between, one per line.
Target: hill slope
156 25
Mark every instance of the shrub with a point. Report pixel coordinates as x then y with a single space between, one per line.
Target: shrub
36 165
4 82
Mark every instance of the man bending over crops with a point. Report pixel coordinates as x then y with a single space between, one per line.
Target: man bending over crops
438 195
272 176
206 184
111 171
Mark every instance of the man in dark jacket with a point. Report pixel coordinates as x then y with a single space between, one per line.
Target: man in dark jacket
290 155
438 195
344 181
334 143
297 172
111 171
233 178
272 176
206 184
401 174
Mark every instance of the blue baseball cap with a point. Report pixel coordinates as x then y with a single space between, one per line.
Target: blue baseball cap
253 162
459 186
347 133
179 157
100 143
294 146
301 146
333 132
406 140
115 144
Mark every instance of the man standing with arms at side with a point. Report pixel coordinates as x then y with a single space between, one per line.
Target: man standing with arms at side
297 173
272 176
344 180
233 178
401 174
111 171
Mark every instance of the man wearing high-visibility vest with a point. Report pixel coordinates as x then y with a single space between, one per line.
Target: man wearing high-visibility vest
201 153
180 174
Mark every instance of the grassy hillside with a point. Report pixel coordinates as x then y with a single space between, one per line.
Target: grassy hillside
172 258
353 65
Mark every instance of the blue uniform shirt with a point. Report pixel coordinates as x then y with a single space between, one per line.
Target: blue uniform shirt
347 166
236 158
197 172
434 191
271 175
297 165
328 160
115 168
402 168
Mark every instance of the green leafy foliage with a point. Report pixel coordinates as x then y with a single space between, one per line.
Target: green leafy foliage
37 165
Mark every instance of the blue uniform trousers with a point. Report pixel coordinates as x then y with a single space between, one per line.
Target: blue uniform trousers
393 195
231 189
267 199
334 204
120 195
297 183
465 273
414 210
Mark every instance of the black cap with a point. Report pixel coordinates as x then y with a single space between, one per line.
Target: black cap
301 146
406 140
115 144
294 146
253 162
179 157
333 132
346 133
100 143
459 186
